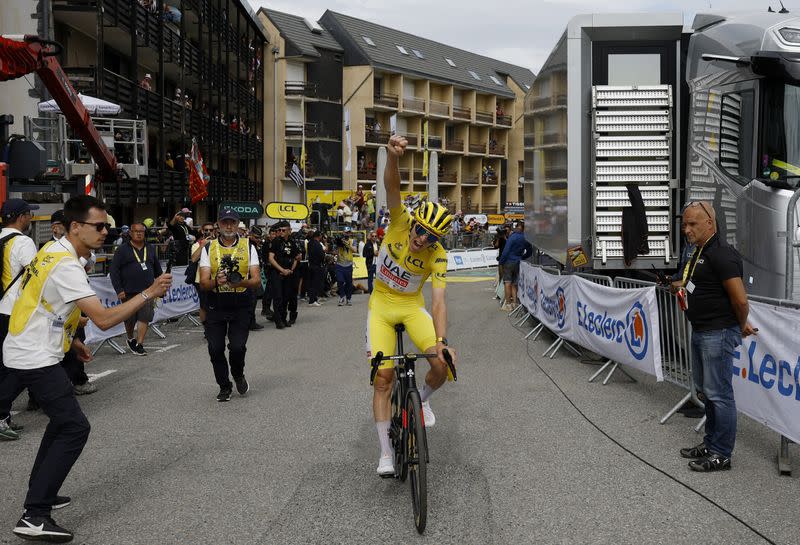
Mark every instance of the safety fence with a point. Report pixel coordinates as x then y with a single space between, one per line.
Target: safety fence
639 324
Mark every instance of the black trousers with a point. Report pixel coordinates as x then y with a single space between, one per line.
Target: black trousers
228 317
75 368
266 301
315 279
284 295
301 273
63 439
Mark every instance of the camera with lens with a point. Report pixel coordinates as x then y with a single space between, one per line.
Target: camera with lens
230 266
340 241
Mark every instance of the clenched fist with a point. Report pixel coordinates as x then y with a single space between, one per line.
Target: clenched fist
397 145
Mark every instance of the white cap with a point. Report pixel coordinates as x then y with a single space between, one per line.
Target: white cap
148 76
242 225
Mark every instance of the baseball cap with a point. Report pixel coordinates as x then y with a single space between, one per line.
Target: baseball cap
228 213
242 225
185 212
256 231
125 228
57 217
15 207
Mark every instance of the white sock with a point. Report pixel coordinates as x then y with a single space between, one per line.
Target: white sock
383 438
425 392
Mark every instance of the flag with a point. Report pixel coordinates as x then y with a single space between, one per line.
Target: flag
198 175
425 153
295 175
349 164
89 185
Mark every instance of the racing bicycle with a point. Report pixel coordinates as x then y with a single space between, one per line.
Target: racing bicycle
407 427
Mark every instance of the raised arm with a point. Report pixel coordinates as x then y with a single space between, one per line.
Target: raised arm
391 176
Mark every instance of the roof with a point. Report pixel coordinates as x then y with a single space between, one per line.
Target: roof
298 36
258 24
385 54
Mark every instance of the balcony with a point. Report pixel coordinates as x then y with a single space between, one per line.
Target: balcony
412 140
553 139
490 179
418 174
470 180
555 172
385 101
376 137
462 113
439 109
368 174
529 140
484 117
528 174
448 178
405 174
477 148
497 149
297 130
434 142
504 120
414 104
310 171
298 89
546 102
455 145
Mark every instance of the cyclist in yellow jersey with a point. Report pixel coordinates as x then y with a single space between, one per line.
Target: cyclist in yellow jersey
409 254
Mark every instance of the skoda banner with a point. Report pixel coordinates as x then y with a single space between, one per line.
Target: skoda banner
619 324
766 370
180 299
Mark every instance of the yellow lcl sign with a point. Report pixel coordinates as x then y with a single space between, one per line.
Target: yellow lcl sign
287 210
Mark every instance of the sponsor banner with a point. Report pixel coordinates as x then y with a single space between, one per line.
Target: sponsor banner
179 300
475 259
766 370
619 324
548 297
490 257
360 267
459 260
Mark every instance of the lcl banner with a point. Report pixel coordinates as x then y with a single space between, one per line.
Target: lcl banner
619 324
547 297
766 370
180 299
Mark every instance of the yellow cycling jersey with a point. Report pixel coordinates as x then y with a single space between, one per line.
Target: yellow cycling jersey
400 272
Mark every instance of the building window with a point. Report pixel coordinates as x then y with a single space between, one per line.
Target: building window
450 62
497 81
418 53
369 41
402 49
474 75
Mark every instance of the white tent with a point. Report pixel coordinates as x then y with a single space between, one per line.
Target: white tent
95 106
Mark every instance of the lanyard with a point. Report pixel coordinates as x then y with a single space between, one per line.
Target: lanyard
144 254
687 273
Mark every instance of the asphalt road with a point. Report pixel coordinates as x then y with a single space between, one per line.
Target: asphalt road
512 461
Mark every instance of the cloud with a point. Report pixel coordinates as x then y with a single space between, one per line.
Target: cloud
517 31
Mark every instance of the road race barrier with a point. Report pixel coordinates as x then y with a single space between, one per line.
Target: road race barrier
639 324
179 302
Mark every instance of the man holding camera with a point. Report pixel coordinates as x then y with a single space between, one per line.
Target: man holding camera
284 258
345 247
229 272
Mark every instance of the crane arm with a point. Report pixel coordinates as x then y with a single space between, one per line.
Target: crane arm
22 55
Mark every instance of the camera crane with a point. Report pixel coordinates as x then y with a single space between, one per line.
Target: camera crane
21 55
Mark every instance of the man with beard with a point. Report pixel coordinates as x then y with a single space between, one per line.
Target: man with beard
47 304
229 271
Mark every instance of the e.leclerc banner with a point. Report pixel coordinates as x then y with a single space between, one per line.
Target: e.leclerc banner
180 299
619 324
547 297
766 370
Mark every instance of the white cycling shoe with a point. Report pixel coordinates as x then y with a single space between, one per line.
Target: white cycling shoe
427 412
386 466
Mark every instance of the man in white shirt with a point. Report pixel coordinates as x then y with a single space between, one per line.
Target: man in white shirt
47 304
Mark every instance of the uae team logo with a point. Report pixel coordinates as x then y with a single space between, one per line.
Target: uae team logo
533 293
561 312
637 331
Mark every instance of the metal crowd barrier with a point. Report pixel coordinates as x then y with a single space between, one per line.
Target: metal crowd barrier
600 279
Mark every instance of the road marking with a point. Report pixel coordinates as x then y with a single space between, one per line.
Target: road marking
94 376
165 348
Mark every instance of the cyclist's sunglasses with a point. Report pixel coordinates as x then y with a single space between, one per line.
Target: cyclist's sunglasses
99 225
420 230
701 205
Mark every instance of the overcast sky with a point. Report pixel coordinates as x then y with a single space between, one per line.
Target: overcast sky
517 31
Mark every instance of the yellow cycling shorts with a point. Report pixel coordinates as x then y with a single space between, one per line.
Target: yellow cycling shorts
386 311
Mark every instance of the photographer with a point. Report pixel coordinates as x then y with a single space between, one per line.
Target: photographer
344 267
229 271
284 258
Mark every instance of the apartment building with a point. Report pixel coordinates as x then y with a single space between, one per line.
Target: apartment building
191 69
303 106
472 104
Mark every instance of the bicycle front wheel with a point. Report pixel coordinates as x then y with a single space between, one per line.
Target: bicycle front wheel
417 456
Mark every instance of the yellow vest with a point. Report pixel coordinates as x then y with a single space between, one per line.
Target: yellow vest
239 251
31 295
7 278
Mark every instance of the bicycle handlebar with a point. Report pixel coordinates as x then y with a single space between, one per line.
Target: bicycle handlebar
379 357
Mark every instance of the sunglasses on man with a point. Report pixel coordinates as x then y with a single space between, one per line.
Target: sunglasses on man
420 231
98 225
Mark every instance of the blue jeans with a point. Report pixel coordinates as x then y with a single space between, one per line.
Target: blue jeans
712 353
344 281
370 277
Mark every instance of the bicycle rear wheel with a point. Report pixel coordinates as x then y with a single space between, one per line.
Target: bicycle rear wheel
417 456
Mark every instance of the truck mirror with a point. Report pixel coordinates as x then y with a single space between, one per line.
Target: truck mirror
777 65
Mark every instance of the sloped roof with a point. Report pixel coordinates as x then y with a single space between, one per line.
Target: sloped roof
385 54
294 30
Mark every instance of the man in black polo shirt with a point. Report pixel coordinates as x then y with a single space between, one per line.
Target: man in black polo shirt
716 305
284 258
